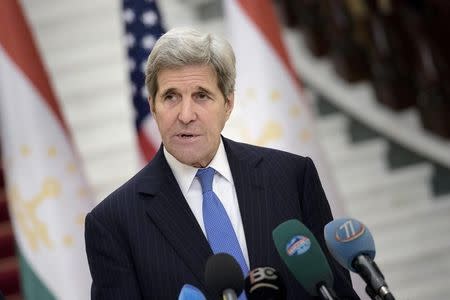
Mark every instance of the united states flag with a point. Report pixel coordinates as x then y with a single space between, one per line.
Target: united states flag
142 28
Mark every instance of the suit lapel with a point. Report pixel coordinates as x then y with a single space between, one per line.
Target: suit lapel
254 203
169 211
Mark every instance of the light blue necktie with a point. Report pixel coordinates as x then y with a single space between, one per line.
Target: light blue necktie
219 231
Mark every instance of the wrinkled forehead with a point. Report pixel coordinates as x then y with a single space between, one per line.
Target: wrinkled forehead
188 74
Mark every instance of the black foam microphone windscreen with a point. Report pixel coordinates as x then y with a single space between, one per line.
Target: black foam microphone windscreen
223 275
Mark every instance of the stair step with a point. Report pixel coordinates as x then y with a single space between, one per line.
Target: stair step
383 216
7 244
9 275
406 234
358 174
334 143
437 289
403 275
413 236
402 255
357 154
430 210
332 125
418 270
375 204
419 219
403 178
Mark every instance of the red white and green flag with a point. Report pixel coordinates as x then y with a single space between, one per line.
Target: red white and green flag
48 197
273 110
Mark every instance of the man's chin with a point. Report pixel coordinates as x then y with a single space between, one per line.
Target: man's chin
190 159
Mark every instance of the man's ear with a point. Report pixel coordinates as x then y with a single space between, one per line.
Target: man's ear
150 104
229 104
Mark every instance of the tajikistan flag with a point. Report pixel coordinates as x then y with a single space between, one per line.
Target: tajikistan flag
47 195
271 108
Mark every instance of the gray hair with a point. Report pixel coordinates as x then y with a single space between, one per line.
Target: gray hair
184 46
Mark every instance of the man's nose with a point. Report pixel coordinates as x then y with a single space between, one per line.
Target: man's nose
187 111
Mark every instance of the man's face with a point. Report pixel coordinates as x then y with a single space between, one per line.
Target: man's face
191 112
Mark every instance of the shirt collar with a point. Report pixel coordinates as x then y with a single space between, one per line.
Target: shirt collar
185 174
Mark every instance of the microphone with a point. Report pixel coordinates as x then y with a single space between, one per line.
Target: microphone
264 283
352 245
302 254
223 276
190 292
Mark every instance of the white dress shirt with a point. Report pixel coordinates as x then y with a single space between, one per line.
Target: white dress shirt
223 186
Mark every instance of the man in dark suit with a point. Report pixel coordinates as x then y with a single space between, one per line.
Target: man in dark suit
154 234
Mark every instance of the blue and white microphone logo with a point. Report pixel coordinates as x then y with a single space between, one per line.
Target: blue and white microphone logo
298 245
349 231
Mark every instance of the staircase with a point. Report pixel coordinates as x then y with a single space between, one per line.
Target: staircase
409 225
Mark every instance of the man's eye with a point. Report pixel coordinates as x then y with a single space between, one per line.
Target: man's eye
169 97
202 96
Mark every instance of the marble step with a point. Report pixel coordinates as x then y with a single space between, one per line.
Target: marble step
58 27
418 271
392 181
102 170
410 239
436 208
85 114
350 155
435 289
360 174
97 143
331 125
371 203
103 187
389 205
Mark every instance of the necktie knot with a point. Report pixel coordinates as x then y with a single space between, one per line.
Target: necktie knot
206 178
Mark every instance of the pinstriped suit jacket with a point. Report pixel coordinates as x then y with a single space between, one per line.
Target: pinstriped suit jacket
143 241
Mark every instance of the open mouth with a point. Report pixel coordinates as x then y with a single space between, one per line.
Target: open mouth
186 136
